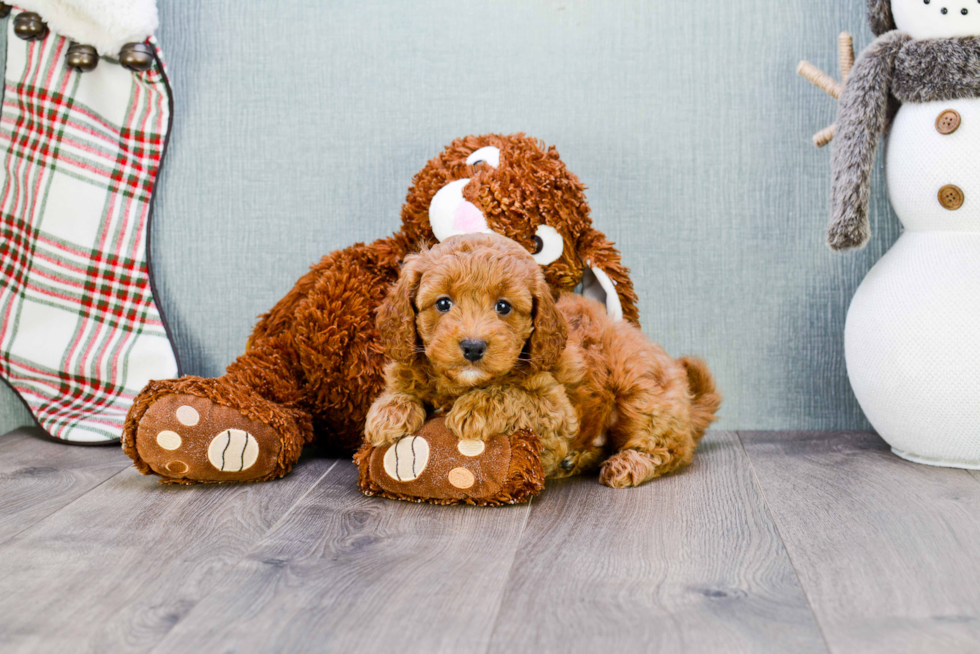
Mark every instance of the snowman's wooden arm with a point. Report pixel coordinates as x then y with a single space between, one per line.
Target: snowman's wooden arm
862 116
827 84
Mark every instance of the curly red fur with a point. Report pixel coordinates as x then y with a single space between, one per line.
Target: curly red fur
550 334
590 387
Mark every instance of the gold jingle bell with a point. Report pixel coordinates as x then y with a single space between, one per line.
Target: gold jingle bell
30 27
136 57
82 58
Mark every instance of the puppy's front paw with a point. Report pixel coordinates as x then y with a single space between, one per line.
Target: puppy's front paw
629 468
472 418
391 417
469 426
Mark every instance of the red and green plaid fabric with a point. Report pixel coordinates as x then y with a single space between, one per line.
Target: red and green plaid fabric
80 333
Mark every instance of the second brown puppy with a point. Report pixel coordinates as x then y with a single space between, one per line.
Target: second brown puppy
473 331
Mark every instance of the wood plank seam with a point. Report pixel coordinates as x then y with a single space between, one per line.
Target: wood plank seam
786 547
340 540
690 562
62 507
289 510
882 544
231 568
510 574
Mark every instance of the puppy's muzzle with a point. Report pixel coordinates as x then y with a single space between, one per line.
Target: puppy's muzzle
473 351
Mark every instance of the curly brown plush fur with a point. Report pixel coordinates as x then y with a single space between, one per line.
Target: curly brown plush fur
317 353
473 331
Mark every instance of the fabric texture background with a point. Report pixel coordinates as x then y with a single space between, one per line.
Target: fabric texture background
299 125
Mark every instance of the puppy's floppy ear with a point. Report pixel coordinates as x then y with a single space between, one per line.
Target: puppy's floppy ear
396 315
547 341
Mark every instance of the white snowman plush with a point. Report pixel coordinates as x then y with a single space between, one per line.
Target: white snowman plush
912 339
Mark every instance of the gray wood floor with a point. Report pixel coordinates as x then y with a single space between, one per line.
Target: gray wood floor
770 542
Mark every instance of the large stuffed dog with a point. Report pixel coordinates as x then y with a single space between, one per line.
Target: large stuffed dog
313 364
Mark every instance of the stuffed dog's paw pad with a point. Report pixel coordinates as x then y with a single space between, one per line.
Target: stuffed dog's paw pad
233 450
461 478
471 447
188 416
406 459
185 437
169 440
505 470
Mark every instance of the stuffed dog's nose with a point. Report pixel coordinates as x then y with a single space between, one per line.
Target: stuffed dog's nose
473 351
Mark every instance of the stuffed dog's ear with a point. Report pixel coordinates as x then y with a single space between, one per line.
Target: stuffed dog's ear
396 315
596 251
547 341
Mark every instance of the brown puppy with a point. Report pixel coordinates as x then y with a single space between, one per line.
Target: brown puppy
473 330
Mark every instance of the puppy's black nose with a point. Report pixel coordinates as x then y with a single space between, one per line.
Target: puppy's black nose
473 350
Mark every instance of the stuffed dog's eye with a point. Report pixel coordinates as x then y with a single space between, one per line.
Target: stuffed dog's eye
488 155
503 307
548 244
444 304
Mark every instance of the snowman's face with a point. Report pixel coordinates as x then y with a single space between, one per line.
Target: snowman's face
937 19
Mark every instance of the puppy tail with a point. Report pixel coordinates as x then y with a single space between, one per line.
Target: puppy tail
705 399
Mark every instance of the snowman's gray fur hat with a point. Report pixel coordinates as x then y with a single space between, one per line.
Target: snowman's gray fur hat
880 16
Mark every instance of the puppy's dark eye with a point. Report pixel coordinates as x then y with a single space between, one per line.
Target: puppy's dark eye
538 244
503 307
444 304
478 162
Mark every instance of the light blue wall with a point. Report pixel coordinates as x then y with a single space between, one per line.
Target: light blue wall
300 123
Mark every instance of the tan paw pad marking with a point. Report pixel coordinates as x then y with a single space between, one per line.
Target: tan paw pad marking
471 447
169 440
233 450
461 478
188 416
177 467
406 459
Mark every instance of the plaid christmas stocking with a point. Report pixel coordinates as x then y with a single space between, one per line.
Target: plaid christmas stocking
80 333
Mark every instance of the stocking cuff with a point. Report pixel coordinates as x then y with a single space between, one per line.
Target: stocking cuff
105 24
